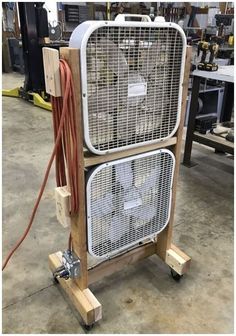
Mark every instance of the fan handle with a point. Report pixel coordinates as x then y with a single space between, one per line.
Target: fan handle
121 17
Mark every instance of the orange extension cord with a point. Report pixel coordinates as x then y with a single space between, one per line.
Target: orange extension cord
64 151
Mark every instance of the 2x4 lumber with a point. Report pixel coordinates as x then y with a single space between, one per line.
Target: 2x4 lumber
91 160
62 197
118 263
51 67
177 260
78 222
180 252
97 308
84 300
165 237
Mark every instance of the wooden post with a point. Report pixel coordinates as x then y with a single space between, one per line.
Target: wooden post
165 237
77 289
177 260
78 222
84 300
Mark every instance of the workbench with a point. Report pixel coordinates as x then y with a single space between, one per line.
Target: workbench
224 74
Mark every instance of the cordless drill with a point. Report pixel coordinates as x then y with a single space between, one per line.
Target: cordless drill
213 49
211 66
203 47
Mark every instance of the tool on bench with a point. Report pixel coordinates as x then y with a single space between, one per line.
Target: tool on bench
206 47
203 47
211 66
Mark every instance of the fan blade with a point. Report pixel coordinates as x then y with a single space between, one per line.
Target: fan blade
127 120
124 174
149 59
159 76
103 100
145 213
119 226
150 181
114 56
102 206
155 105
156 101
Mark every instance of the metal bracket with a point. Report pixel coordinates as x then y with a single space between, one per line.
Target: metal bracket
70 267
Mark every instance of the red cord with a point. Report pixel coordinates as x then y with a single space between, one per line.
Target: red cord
65 149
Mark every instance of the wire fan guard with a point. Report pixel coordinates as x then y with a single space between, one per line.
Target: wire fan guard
132 76
128 201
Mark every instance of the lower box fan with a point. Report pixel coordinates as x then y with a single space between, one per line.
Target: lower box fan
128 201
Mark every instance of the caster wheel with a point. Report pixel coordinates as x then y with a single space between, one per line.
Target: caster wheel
175 275
55 280
88 327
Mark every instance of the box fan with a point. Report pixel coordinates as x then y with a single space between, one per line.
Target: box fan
128 201
131 77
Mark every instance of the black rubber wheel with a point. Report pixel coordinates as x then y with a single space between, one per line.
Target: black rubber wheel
88 327
177 277
55 280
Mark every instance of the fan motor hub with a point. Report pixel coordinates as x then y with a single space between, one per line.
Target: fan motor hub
137 88
132 199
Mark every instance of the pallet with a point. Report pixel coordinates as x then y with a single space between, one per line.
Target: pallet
78 291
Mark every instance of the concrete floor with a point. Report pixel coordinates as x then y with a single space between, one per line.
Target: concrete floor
142 298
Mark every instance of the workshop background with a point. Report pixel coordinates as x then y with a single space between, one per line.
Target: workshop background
142 298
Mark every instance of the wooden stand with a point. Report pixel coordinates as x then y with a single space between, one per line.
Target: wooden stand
83 299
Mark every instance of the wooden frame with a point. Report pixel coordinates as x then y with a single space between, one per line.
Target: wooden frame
78 291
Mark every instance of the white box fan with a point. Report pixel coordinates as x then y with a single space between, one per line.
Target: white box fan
131 77
128 201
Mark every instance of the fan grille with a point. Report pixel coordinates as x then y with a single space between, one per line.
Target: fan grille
117 59
128 201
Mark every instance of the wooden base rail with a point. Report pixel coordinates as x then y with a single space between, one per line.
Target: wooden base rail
84 300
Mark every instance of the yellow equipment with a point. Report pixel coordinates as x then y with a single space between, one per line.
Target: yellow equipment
32 97
206 47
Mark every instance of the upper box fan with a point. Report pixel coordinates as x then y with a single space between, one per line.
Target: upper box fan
131 76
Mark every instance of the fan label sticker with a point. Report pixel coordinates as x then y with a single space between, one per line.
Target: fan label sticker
137 89
132 204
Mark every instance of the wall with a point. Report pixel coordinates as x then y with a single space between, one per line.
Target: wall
51 7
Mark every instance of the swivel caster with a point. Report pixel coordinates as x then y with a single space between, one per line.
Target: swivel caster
55 280
88 327
177 277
